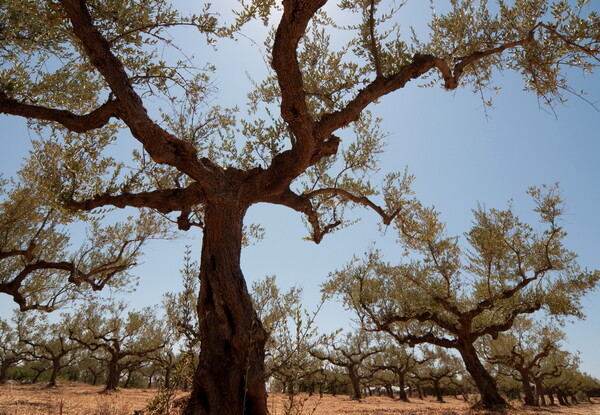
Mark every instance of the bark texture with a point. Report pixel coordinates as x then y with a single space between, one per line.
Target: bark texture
114 373
490 397
230 376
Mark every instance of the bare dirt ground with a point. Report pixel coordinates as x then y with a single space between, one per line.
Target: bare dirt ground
79 399
343 405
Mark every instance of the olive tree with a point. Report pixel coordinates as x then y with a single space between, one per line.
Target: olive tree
89 73
450 295
352 352
524 349
39 268
12 350
47 341
439 368
117 338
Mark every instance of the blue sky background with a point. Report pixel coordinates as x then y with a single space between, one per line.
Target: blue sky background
459 156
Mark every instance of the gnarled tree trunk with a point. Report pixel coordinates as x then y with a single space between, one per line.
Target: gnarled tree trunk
355 381
528 389
56 367
4 370
402 385
490 397
113 375
230 375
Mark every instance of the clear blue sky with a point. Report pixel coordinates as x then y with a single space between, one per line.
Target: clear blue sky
459 156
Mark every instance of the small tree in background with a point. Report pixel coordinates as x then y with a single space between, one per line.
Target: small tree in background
292 334
351 353
524 350
115 338
12 351
398 360
439 368
48 341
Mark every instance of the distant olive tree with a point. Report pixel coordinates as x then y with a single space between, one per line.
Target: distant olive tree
116 337
350 352
48 341
12 350
525 349
450 295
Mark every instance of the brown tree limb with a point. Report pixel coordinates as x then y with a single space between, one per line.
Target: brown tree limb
588 51
74 122
429 338
361 200
421 64
292 27
308 147
452 79
506 294
379 87
162 146
96 277
494 329
164 201
302 204
373 45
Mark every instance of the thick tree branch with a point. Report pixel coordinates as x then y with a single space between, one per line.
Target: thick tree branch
379 87
494 329
451 79
292 27
302 204
374 46
162 146
429 338
505 294
423 317
307 147
164 201
421 64
76 123
361 200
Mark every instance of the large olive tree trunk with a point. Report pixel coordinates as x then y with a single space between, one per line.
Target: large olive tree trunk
114 374
4 366
490 397
230 375
528 389
355 381
56 367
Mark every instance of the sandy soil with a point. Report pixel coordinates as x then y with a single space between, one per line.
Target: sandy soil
79 399
342 405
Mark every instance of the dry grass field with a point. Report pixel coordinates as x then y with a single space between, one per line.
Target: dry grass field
76 399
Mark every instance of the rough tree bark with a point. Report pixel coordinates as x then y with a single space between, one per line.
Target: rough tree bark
490 397
230 376
114 373
355 381
528 389
56 367
4 370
